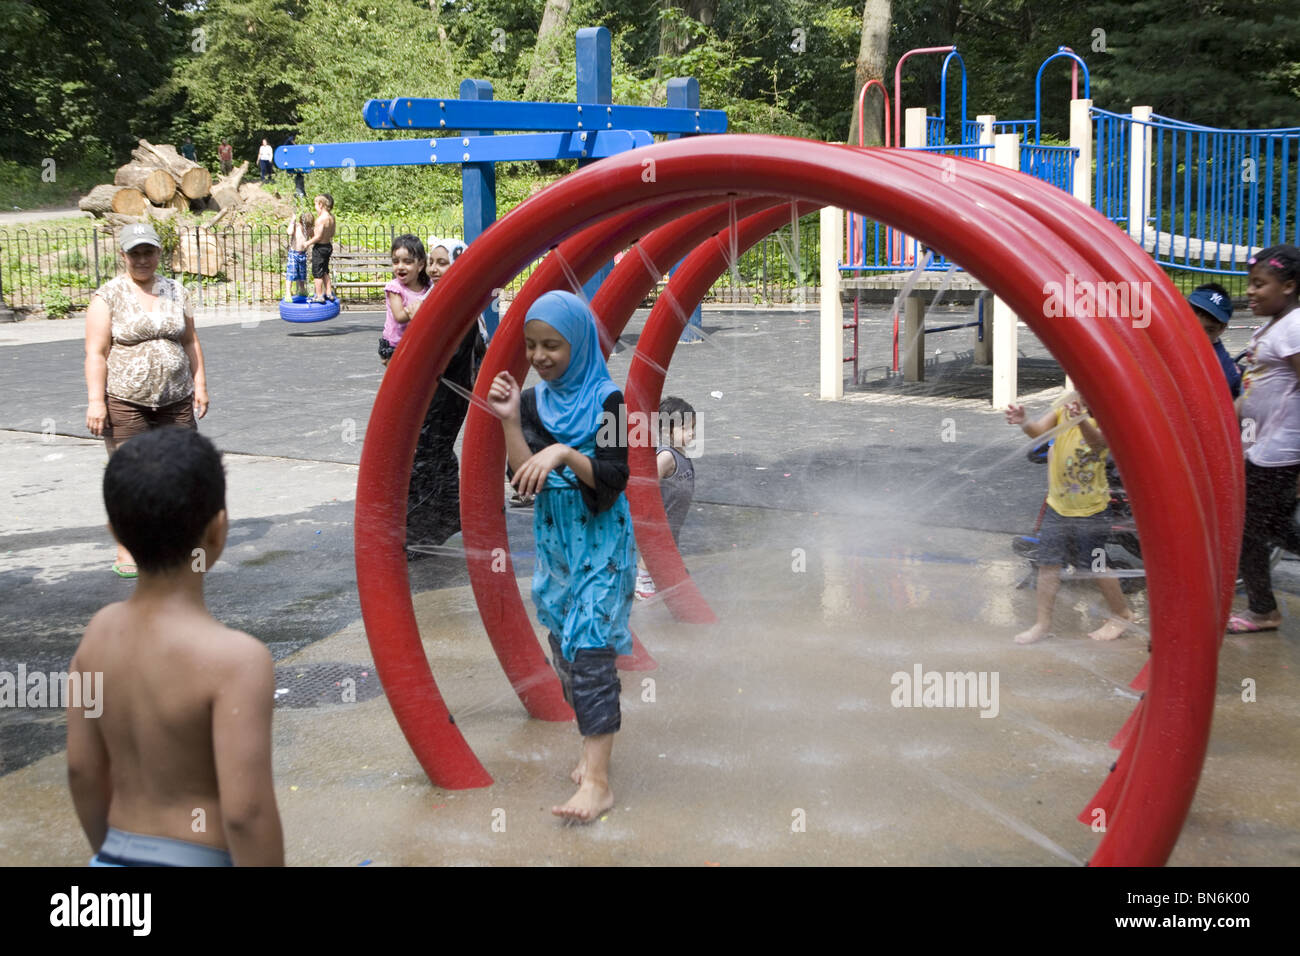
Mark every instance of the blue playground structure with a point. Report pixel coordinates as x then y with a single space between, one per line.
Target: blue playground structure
1199 199
590 129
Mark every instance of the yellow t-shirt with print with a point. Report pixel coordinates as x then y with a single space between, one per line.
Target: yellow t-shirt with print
1076 473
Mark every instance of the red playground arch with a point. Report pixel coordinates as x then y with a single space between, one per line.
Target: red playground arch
1173 435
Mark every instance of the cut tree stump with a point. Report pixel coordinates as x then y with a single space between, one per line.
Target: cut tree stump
155 183
192 179
99 200
198 252
196 183
226 189
116 221
130 202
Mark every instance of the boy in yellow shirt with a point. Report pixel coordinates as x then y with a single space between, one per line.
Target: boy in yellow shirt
1075 519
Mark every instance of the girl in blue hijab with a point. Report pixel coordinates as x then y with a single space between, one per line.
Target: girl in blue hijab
565 447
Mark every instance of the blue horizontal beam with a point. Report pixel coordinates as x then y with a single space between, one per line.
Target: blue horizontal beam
449 150
419 113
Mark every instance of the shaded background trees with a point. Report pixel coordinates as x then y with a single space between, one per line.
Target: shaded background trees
80 82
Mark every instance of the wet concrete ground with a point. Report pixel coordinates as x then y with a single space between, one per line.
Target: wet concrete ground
770 737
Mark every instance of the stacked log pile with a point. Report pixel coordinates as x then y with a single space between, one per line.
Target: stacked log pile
160 184
157 182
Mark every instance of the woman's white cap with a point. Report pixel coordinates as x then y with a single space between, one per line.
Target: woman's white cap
137 234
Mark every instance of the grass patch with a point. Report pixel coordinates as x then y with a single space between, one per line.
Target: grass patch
46 185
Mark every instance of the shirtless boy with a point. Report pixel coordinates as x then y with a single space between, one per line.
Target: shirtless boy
322 247
177 769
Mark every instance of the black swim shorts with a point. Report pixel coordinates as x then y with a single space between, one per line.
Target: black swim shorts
320 260
591 687
1064 540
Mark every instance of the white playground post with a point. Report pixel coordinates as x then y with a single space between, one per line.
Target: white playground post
832 314
983 351
1081 139
1006 152
914 127
1139 178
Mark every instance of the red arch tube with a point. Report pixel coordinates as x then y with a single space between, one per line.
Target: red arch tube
692 281
624 289
1216 476
1015 262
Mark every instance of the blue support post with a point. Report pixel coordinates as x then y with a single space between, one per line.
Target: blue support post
684 93
479 189
595 84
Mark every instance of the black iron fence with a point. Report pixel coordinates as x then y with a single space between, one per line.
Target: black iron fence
59 269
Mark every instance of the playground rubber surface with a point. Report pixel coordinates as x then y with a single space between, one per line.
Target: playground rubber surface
841 544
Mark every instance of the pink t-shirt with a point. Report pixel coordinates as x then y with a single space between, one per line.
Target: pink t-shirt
410 301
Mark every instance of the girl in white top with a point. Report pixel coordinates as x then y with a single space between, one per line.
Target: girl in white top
1269 407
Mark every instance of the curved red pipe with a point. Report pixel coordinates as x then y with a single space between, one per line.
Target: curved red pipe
658 341
1219 485
621 292
862 97
1015 263
898 84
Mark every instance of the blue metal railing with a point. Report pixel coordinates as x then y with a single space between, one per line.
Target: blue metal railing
934 131
1051 164
970 131
1028 129
1110 184
1211 196
871 246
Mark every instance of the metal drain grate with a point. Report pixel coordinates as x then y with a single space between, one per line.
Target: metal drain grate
324 684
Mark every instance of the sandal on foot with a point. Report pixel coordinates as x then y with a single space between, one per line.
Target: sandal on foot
121 570
1237 624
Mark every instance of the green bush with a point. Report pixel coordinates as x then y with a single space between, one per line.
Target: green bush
57 304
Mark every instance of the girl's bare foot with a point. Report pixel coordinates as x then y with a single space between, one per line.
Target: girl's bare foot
1113 628
1033 635
579 772
587 804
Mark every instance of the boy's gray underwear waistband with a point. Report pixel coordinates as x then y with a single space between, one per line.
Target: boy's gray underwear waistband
140 850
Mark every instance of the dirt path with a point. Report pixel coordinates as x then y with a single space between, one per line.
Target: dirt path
37 215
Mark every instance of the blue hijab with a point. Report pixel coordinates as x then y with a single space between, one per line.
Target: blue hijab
570 406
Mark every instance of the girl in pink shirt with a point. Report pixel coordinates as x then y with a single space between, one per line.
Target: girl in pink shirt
404 294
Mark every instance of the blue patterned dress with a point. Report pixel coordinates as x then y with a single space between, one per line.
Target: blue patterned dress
586 553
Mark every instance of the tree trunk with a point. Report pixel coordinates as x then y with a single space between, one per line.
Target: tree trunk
162 156
116 220
196 183
873 55
549 34
192 179
674 40
155 183
197 252
129 202
226 189
99 200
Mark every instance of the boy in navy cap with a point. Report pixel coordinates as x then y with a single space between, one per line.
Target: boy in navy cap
1213 306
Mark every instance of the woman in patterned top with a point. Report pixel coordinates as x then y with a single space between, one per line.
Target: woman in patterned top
144 366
